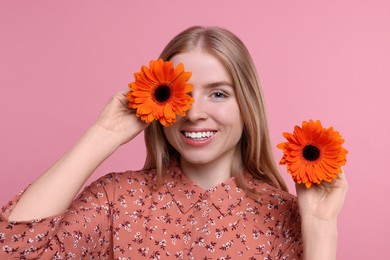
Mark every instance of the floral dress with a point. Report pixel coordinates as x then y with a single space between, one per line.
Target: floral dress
123 216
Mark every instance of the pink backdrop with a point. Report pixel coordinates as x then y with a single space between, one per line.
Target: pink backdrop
61 62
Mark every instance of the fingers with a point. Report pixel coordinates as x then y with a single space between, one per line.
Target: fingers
341 182
342 175
124 91
122 97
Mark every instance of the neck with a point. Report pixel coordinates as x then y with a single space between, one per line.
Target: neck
207 175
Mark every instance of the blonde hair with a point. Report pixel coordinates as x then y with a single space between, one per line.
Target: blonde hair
254 155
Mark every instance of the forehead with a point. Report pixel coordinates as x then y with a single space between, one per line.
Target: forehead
203 66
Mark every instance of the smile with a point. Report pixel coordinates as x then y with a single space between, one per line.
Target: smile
199 135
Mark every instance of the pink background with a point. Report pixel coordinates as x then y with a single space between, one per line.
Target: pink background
60 62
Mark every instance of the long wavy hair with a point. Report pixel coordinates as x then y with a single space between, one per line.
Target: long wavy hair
254 153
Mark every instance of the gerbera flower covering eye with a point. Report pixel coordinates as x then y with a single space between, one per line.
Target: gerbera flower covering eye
313 154
160 92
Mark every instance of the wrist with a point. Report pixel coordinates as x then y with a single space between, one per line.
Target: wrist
319 238
102 138
319 227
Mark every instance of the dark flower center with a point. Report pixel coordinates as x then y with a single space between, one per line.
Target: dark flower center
162 93
311 152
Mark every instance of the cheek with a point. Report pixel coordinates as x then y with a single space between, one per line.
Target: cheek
234 119
228 115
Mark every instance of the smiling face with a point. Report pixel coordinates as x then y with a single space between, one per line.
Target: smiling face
213 126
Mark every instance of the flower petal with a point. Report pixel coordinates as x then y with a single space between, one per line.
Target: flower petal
332 154
160 73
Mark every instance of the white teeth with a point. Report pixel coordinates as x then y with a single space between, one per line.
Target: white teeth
198 135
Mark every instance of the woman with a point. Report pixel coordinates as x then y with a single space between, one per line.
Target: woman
209 188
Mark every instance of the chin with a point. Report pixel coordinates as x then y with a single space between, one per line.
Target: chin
197 161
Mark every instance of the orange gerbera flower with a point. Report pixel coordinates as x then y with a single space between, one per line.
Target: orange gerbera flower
159 92
313 154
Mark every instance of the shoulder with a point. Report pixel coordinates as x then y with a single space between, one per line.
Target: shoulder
123 183
138 178
274 198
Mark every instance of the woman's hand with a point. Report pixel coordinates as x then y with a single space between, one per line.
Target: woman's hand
319 207
118 119
324 201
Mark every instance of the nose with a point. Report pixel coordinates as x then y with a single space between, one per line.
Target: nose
197 111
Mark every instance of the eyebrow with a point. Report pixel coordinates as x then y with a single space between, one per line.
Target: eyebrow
218 84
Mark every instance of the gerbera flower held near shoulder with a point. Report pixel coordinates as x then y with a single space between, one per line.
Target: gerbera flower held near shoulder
313 154
160 92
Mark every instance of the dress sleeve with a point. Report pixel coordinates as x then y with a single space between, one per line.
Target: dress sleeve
288 243
82 230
